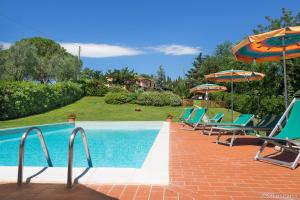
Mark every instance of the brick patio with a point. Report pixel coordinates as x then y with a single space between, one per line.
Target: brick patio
199 169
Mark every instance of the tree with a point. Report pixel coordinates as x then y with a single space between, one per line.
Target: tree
160 79
181 88
287 19
18 61
88 73
293 65
39 59
122 76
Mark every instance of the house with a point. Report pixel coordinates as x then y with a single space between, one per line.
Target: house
145 83
109 82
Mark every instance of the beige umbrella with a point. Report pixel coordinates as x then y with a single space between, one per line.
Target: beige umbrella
234 76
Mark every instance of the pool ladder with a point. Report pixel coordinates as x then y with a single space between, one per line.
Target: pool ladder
70 159
44 147
21 151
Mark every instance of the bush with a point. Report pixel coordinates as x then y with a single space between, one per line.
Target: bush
273 105
150 99
95 88
132 97
159 99
251 103
116 98
19 99
117 89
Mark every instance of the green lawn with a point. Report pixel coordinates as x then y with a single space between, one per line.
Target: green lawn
95 109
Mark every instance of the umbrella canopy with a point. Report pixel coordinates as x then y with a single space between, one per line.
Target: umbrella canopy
266 47
235 76
275 45
207 88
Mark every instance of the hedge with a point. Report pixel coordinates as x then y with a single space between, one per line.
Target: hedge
251 103
95 88
116 98
159 99
145 98
19 99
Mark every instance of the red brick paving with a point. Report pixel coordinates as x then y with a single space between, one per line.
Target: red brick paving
199 169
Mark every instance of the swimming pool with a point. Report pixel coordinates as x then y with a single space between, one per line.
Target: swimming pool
121 152
108 147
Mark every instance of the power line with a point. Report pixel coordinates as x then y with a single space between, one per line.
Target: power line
22 24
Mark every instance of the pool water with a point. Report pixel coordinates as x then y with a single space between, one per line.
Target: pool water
108 148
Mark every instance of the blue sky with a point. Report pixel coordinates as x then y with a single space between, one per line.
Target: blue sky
139 34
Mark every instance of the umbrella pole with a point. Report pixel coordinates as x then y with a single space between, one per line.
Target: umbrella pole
231 100
285 76
206 99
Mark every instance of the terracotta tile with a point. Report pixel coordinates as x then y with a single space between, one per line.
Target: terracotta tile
199 169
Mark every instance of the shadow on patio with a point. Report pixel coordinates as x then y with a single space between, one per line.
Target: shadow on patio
11 191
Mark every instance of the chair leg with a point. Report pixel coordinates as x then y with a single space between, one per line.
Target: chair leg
219 136
232 139
210 131
261 149
295 163
203 129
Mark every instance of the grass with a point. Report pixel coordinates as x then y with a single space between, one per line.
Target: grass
95 109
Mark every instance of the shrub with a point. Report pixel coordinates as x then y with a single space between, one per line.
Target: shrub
116 98
251 103
159 99
132 97
95 88
273 105
171 99
117 89
19 99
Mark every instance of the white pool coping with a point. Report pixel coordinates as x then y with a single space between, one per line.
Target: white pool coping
155 169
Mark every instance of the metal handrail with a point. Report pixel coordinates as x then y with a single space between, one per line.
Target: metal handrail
70 159
21 151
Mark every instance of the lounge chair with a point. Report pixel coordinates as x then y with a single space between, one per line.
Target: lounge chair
267 124
195 119
216 119
284 135
240 121
233 129
185 115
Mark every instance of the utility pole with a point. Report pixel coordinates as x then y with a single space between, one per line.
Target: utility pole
79 50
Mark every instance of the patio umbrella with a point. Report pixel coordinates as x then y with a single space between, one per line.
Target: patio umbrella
280 44
207 88
234 76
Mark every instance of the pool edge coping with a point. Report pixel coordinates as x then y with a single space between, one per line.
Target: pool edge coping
155 169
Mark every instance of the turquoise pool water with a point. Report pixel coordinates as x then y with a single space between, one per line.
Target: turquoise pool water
108 148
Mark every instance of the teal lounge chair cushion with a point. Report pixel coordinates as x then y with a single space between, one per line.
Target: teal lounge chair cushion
196 118
242 120
291 130
187 113
217 118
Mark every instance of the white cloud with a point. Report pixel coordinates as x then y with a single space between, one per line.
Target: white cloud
176 50
5 45
93 50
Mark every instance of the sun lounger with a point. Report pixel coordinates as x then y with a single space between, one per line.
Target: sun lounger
194 119
240 121
284 135
185 115
267 124
233 129
216 119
